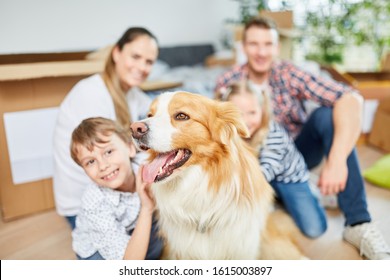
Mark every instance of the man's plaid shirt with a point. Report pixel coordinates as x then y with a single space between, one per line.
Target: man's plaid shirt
291 87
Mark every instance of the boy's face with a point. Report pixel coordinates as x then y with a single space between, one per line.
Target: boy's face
108 164
250 110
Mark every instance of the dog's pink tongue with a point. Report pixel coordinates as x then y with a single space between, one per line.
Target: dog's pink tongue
150 170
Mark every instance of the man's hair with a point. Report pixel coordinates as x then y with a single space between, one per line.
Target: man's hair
90 131
260 22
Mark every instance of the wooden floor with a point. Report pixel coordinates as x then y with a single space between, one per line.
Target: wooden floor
46 236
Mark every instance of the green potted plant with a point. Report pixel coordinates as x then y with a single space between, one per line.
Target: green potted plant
337 24
368 23
323 33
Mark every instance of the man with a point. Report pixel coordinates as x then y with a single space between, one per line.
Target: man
331 130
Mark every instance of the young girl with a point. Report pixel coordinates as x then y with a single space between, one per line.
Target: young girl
115 218
113 94
282 164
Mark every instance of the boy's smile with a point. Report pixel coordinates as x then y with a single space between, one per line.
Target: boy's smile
108 164
111 176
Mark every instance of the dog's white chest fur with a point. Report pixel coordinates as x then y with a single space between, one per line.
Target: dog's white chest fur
200 224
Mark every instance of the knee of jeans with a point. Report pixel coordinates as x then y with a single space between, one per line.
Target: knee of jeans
323 118
314 231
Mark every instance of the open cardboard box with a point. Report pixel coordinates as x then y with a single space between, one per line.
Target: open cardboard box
375 89
27 86
380 133
372 85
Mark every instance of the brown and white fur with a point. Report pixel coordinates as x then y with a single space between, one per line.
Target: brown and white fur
212 198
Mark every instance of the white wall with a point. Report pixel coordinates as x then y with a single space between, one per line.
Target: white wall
32 26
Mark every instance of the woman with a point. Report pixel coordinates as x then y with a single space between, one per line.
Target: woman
113 94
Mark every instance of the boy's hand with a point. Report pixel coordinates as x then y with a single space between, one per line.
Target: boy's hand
144 191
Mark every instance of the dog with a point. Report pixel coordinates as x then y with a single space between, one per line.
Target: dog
213 201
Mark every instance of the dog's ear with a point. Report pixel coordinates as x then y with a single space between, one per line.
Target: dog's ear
228 123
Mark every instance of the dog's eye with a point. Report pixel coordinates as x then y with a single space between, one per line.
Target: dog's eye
181 117
150 115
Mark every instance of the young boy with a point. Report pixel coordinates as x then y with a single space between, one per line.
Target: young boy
116 217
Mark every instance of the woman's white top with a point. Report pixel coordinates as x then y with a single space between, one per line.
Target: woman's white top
104 223
88 98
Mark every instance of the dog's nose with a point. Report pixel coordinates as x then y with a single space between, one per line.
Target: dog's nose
138 129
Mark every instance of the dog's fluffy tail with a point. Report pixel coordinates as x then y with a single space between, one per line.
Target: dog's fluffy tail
279 239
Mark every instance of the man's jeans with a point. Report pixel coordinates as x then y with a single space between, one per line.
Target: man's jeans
314 142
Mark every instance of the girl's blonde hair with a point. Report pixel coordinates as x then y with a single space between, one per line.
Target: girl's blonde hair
244 87
90 131
111 78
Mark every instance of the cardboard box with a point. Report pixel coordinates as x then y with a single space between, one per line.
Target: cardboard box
26 86
380 133
385 63
373 86
283 19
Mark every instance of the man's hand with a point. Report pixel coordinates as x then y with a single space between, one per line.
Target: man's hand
333 177
347 114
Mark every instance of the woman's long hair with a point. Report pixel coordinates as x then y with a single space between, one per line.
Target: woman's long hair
111 78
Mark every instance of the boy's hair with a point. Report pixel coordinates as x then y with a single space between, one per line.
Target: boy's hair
88 133
261 22
244 87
